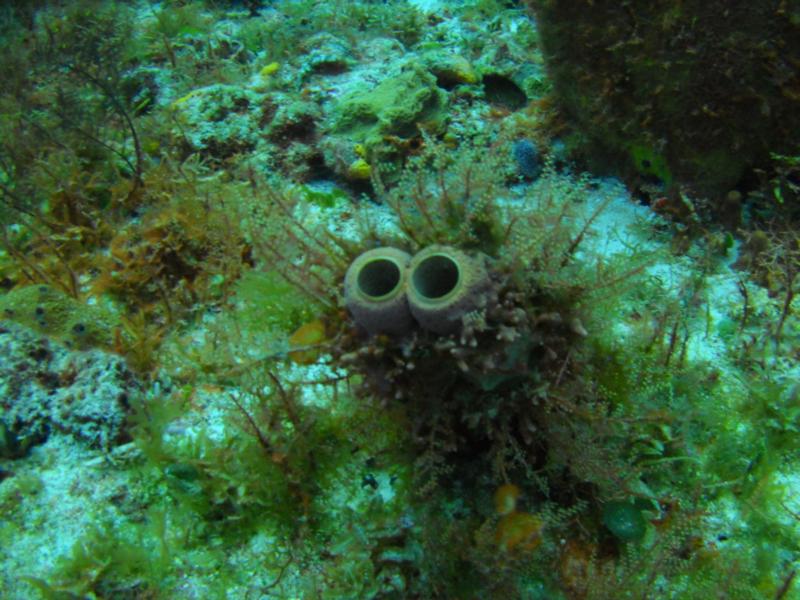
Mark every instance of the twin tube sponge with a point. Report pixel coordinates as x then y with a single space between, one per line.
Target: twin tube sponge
387 290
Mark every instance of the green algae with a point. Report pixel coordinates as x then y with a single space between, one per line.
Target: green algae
53 313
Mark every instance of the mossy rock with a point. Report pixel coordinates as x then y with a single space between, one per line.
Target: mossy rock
51 312
400 107
709 88
450 69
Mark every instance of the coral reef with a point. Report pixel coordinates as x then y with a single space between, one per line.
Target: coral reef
312 299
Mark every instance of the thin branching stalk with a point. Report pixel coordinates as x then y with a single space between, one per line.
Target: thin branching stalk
745 303
111 95
310 240
288 402
72 287
296 282
262 438
576 241
420 198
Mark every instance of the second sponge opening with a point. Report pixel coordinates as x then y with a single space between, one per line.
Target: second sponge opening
435 276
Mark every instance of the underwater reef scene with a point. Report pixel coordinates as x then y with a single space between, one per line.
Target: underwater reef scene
415 299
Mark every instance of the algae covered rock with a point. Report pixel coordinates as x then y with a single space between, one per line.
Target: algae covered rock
219 120
393 112
51 312
46 387
450 68
326 54
692 93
